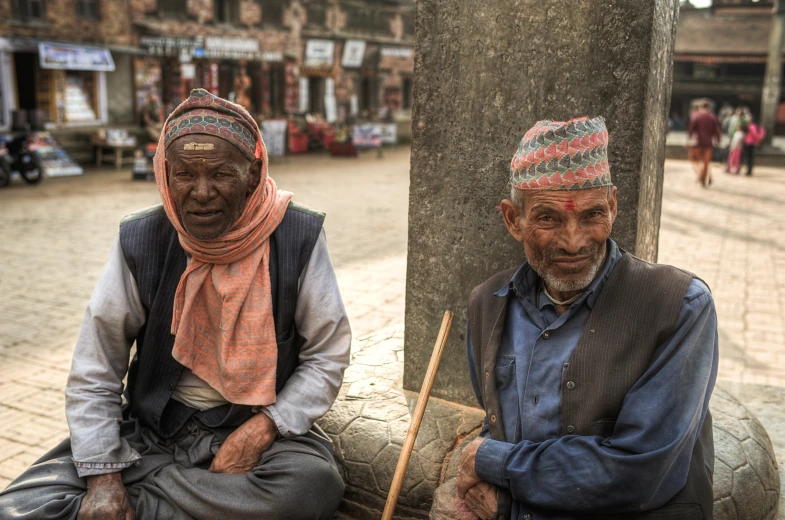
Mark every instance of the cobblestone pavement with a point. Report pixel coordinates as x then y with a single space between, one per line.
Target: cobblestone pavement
55 238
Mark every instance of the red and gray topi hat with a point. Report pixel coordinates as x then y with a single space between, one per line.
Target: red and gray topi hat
204 113
556 155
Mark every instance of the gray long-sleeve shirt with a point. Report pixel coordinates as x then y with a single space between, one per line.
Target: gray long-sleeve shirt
115 315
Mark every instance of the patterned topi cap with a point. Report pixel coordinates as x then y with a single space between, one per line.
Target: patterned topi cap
204 113
555 155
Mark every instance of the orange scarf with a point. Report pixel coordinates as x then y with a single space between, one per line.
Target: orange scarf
223 310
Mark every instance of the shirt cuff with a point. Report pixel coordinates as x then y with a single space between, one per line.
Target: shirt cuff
489 461
89 469
273 414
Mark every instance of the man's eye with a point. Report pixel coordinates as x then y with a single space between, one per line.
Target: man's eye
595 214
223 174
182 174
545 218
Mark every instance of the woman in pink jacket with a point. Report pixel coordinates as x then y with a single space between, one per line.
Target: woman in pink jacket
753 137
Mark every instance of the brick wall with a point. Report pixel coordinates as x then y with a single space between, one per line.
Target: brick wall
61 23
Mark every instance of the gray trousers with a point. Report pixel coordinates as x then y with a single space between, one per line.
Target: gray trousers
297 478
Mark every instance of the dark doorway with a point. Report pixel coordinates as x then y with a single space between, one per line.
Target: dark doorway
26 70
316 95
277 88
368 97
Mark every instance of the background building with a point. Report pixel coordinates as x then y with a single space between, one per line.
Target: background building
83 64
720 53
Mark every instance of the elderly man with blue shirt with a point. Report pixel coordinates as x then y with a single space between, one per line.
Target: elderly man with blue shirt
594 367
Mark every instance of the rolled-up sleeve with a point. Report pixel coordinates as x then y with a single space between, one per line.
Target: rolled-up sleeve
93 394
320 318
646 460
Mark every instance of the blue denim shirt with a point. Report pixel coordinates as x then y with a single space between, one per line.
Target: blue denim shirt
646 460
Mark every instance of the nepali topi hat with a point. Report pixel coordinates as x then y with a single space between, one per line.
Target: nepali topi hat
205 113
556 155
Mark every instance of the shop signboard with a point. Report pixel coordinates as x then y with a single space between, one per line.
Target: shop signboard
219 47
353 53
272 56
367 136
73 57
389 133
172 45
319 53
397 52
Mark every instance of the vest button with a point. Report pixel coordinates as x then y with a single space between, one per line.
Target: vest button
571 429
546 335
171 386
527 516
570 385
493 418
487 375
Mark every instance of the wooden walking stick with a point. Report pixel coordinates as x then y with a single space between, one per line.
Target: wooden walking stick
419 410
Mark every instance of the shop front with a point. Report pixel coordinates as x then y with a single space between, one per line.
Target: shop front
317 79
233 68
60 84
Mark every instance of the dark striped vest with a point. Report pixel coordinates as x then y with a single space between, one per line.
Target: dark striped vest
154 256
636 311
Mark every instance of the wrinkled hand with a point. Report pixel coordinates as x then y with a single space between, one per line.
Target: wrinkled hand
106 499
241 451
482 499
467 477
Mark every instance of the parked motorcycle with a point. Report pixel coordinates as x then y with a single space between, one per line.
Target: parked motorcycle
5 164
20 157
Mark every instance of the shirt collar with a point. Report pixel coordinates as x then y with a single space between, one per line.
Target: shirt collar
527 281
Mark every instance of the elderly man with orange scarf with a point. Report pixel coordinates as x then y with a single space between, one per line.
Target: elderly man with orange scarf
241 342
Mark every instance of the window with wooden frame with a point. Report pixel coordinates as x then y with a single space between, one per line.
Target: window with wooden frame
316 12
226 11
272 12
175 9
87 9
29 9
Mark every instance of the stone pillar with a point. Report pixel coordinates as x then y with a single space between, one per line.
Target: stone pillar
773 78
484 73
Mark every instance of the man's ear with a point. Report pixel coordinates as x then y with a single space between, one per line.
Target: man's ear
255 171
613 204
512 219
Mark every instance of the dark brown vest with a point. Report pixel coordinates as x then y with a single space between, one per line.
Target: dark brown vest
636 311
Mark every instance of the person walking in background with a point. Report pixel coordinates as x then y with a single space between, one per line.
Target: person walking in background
753 137
736 146
705 132
731 128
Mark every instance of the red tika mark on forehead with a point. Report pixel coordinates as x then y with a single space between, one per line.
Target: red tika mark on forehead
569 205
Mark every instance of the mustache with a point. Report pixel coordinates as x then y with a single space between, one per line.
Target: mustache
557 252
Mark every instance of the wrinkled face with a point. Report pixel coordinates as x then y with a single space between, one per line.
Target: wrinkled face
564 233
210 181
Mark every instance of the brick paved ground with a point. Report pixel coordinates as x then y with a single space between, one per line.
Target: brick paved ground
55 237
